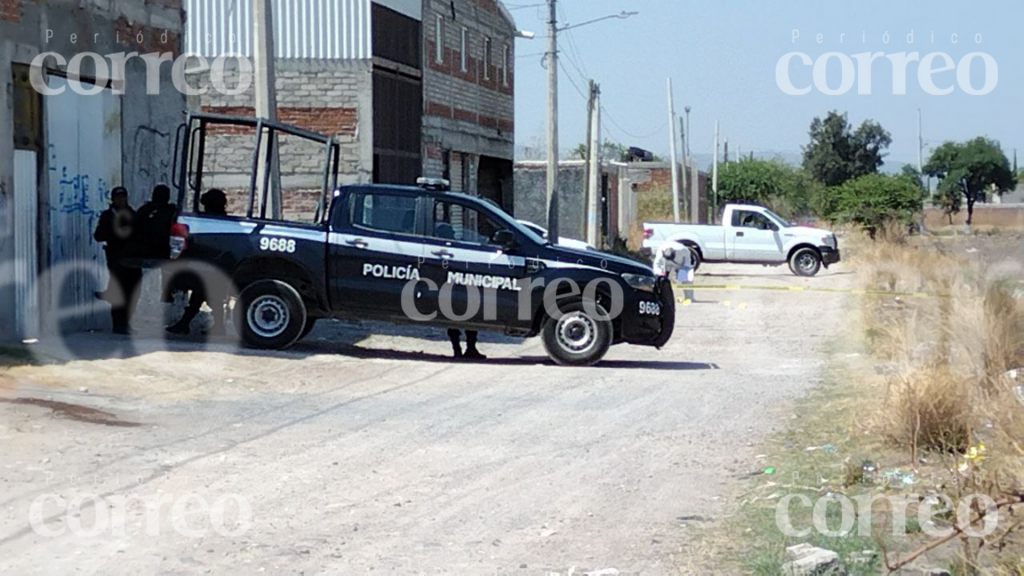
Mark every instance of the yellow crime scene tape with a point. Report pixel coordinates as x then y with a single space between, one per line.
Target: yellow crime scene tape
769 288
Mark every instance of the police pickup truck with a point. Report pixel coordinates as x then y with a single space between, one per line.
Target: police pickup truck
412 254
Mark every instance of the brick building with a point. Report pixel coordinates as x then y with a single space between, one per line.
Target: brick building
468 86
408 88
63 151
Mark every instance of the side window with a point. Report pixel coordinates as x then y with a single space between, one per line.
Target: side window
744 219
459 223
385 213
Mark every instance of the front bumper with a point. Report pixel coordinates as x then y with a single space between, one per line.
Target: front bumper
650 330
830 255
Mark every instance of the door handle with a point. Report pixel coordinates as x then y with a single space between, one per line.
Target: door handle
740 234
443 254
358 243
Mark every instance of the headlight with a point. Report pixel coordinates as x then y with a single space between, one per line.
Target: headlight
640 282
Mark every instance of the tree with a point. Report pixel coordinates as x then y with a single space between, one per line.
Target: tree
837 153
969 169
874 200
771 183
609 151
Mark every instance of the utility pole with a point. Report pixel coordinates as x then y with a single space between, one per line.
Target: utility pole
594 167
553 122
672 152
920 144
694 174
726 159
266 102
713 204
686 174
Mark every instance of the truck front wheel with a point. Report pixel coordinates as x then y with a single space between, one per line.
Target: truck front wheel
805 262
580 337
273 315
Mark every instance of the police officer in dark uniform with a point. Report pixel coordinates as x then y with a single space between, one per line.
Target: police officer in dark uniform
215 203
116 229
471 352
155 219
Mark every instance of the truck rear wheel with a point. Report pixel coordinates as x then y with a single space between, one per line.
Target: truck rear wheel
272 315
579 337
695 258
805 262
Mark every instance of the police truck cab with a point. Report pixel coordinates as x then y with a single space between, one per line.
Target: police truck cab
415 253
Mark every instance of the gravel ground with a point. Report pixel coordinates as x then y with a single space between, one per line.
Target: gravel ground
365 448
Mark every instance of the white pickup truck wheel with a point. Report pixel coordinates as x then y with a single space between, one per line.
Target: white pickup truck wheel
695 258
805 262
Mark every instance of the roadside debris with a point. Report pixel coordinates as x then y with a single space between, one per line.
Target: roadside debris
806 560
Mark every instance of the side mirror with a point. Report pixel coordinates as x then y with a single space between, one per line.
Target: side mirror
505 239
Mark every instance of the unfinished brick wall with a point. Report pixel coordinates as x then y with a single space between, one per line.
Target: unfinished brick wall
300 204
320 96
468 111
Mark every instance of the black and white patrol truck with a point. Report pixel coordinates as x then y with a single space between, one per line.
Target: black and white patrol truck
409 254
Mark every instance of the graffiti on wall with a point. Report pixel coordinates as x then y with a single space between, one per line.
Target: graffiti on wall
148 160
79 201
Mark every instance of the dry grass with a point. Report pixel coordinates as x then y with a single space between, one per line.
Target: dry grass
946 348
654 205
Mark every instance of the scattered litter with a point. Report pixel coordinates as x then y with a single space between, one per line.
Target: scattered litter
83 390
30 341
898 477
827 448
769 470
972 250
1019 391
868 467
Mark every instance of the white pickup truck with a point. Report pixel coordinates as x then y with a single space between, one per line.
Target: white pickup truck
750 235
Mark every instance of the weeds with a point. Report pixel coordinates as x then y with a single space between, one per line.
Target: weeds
947 395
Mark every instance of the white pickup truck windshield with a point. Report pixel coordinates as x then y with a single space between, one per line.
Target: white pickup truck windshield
782 222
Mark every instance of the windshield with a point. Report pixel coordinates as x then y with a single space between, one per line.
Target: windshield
778 219
511 222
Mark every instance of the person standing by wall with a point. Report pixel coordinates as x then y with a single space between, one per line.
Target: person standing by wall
154 224
116 229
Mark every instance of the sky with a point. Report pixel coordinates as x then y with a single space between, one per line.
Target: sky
722 57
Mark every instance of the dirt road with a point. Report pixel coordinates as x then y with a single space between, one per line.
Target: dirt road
360 452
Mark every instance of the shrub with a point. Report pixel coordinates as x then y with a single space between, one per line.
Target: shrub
874 201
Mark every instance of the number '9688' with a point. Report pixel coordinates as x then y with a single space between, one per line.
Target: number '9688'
277 245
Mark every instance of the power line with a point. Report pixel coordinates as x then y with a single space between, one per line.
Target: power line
619 127
573 54
571 81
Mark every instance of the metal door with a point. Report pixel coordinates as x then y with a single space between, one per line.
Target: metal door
26 254
84 164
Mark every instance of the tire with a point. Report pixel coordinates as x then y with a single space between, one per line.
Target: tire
310 324
271 316
805 262
578 338
695 258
